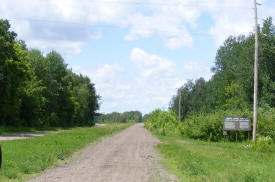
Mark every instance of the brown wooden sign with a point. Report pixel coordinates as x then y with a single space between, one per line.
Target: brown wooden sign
237 124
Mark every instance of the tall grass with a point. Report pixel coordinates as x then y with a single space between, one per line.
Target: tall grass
199 161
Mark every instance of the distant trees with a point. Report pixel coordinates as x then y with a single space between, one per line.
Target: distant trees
134 116
231 86
39 90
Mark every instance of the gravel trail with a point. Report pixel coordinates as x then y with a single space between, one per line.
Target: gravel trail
125 157
24 135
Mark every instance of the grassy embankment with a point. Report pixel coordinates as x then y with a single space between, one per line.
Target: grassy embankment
23 159
206 157
194 160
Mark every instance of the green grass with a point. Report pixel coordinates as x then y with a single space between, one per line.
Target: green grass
23 159
200 161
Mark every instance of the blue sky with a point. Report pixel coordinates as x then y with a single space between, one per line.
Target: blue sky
137 52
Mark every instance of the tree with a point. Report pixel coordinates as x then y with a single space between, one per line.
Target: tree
231 86
14 74
39 90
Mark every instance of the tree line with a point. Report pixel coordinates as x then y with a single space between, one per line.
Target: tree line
132 116
231 86
39 90
229 92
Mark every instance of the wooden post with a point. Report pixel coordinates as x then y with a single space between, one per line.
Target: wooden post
255 108
179 103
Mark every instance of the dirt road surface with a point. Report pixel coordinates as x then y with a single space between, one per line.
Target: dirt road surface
126 157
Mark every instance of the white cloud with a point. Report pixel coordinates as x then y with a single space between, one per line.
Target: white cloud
194 70
231 18
68 19
178 42
109 85
165 23
104 76
150 65
157 78
65 18
58 45
235 17
61 20
152 87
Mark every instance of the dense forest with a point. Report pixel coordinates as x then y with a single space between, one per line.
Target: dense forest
39 90
204 104
129 116
232 85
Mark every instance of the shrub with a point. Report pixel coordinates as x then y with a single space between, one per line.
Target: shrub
164 123
208 126
266 122
262 144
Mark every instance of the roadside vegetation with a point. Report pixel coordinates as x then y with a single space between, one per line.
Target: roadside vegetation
213 157
199 161
193 146
39 90
23 159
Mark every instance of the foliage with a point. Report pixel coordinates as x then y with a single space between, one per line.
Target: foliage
262 144
230 91
231 86
132 116
26 157
40 91
209 126
135 116
164 123
14 75
145 117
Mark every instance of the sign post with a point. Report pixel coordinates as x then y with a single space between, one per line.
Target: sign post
236 124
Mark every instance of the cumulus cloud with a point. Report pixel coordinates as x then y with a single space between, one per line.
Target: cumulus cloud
109 85
184 40
66 23
195 70
163 22
157 78
153 86
75 21
150 65
235 17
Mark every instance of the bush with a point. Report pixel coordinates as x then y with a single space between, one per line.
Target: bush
262 144
164 123
208 126
204 126
266 122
